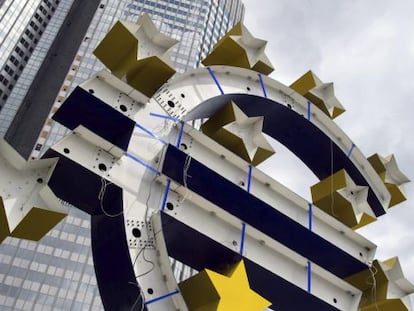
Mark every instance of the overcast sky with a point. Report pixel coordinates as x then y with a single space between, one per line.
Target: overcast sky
367 49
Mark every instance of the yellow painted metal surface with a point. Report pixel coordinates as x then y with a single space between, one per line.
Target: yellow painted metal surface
338 196
120 51
4 226
393 179
148 74
386 305
369 279
242 135
36 224
239 48
319 93
375 286
212 291
126 45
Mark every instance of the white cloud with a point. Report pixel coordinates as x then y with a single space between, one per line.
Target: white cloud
367 49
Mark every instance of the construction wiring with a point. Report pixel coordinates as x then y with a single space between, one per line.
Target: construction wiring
101 196
186 167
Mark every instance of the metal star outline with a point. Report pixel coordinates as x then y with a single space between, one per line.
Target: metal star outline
339 196
241 134
138 53
240 49
29 209
391 287
387 168
319 93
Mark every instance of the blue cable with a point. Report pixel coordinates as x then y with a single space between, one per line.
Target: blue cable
309 263
180 135
262 85
215 79
350 151
150 133
161 297
243 235
152 114
249 178
167 190
309 276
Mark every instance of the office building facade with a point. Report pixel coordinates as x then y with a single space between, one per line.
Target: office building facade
57 273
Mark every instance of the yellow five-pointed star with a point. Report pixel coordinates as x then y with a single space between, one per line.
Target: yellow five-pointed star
211 291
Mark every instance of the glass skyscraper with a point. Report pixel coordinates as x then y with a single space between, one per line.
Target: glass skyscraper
46 50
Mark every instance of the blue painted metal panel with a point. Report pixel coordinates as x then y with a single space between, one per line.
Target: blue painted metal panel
77 185
118 286
205 253
253 211
83 108
295 132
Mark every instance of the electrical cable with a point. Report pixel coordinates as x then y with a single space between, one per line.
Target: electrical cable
141 296
101 195
141 251
186 167
373 271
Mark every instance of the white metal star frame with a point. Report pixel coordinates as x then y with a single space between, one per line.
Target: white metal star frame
250 131
255 48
